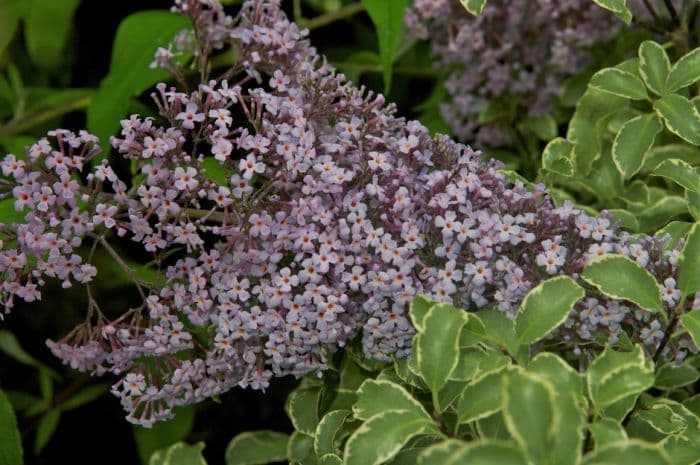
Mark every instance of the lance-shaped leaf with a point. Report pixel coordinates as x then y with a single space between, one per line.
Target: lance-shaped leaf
11 442
437 346
689 278
387 16
381 437
680 116
546 307
618 7
375 397
685 72
257 448
654 66
179 454
614 376
621 278
633 142
620 83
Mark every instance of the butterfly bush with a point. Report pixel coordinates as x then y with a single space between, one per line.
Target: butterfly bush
516 51
334 213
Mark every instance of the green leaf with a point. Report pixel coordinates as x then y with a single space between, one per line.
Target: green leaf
85 396
179 454
47 426
621 278
691 322
557 371
439 453
661 418
630 451
558 157
620 83
387 16
487 452
302 409
685 72
11 444
164 433
473 332
614 376
531 415
10 345
135 44
627 219
482 397
216 172
680 172
500 330
672 376
326 431
654 66
46 28
437 346
689 277
330 459
417 310
474 7
606 431
692 200
618 7
257 448
544 127
382 436
300 448
545 307
662 212
375 397
681 117
633 142
680 151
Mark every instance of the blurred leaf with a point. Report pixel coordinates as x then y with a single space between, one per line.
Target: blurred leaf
474 7
486 452
257 448
633 142
620 278
619 83
618 7
631 451
179 454
216 172
46 28
85 396
9 19
10 441
300 448
436 348
661 212
45 384
544 127
164 433
627 219
680 172
21 400
692 200
685 72
47 426
605 431
135 44
672 376
691 322
545 307
654 66
10 345
387 16
681 117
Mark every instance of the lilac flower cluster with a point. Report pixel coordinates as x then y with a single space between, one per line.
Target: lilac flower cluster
516 52
334 215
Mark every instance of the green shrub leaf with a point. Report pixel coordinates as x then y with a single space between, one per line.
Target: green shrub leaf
482 397
630 451
689 277
179 454
685 72
654 66
487 452
437 347
47 25
381 437
633 142
531 414
680 172
621 278
618 7
546 307
302 409
47 426
164 433
606 431
327 429
673 376
257 448
681 117
614 376
375 397
691 322
558 157
417 310
620 83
